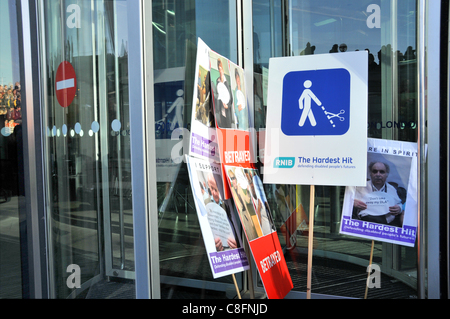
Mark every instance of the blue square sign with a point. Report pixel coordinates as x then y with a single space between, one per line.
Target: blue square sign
316 102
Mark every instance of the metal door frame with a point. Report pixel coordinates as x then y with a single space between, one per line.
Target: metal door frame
34 235
143 157
429 44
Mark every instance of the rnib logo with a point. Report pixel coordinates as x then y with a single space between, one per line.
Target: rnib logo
316 103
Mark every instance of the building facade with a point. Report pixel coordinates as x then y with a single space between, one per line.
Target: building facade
93 204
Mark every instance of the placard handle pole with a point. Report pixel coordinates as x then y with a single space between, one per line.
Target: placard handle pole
310 240
236 285
250 270
369 269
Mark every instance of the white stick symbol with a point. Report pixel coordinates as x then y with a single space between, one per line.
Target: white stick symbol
305 105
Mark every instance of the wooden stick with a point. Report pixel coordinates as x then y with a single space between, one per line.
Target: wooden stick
249 272
310 241
236 285
368 273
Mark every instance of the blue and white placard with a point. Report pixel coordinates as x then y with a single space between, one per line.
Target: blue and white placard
316 130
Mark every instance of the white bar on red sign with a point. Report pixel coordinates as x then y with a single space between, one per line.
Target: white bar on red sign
65 84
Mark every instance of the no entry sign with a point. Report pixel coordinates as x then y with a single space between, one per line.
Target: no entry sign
65 84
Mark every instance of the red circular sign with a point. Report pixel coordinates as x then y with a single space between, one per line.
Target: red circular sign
65 84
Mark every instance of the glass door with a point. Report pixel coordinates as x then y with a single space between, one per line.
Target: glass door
11 156
176 27
387 30
87 148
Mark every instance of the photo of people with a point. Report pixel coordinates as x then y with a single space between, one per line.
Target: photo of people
222 93
203 139
385 208
216 216
240 109
221 221
204 109
383 199
251 203
228 87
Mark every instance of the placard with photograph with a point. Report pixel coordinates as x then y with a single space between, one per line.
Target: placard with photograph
386 208
228 128
233 119
216 218
255 215
203 142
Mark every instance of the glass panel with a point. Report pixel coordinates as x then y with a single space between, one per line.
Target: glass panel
11 150
88 148
387 29
176 27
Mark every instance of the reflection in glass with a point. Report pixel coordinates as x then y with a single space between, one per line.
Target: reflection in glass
387 30
88 165
176 27
11 153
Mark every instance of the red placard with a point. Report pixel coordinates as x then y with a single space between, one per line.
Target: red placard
272 266
234 148
254 212
65 84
